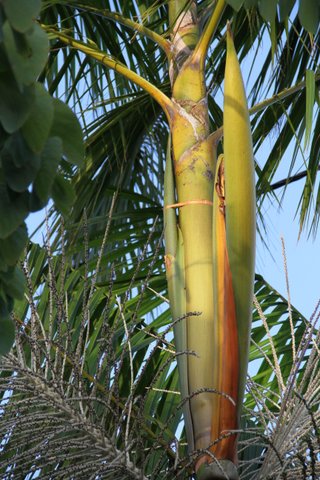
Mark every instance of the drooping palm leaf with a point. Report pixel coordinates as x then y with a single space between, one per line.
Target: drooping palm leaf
294 53
94 368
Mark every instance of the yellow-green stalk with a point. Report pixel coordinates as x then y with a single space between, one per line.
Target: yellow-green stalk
194 174
240 203
193 155
225 369
233 273
174 262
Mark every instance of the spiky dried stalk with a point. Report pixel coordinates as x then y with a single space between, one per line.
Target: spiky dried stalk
62 413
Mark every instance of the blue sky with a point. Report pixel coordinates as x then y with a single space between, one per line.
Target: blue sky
303 255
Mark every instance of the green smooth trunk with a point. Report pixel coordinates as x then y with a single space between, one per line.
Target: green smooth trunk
194 159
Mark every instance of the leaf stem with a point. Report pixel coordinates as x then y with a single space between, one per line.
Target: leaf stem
280 96
94 52
286 181
201 49
127 22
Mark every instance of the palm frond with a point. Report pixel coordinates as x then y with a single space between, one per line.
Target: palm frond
120 122
87 388
290 434
90 389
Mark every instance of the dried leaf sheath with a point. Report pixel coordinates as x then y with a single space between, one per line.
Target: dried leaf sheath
226 318
225 369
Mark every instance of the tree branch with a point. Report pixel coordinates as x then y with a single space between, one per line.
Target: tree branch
94 52
286 181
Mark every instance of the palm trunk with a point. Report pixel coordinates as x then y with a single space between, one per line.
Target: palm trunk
194 160
213 373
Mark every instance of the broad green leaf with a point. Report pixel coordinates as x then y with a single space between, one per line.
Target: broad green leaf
285 7
27 53
15 106
268 9
3 263
37 127
6 334
50 158
35 203
63 194
309 14
12 246
4 63
20 165
310 98
21 13
6 303
317 96
13 282
13 210
235 4
250 3
3 137
67 127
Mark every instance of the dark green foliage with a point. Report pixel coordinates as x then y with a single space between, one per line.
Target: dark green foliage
15 104
62 193
236 4
285 7
66 127
35 132
309 14
309 10
21 13
7 328
12 246
38 125
268 9
45 178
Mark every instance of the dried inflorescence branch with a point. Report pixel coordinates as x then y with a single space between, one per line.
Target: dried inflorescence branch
64 409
